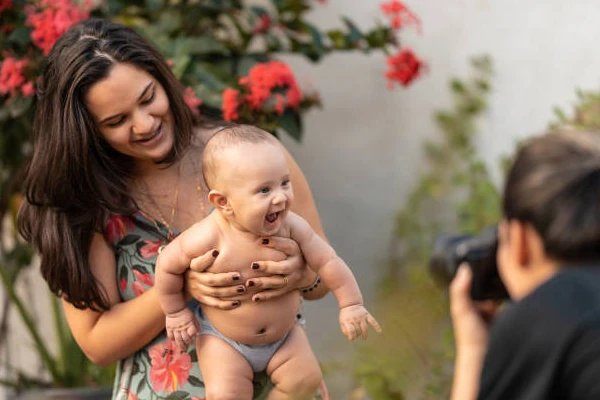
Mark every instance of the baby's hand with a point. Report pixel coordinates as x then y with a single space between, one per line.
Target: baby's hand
354 322
182 327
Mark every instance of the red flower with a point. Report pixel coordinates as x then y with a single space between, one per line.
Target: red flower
189 96
117 227
51 18
150 249
5 4
404 67
146 279
263 24
137 288
11 75
170 367
264 77
400 15
27 89
123 284
230 104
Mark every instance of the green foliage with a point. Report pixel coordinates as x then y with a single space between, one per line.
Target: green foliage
412 357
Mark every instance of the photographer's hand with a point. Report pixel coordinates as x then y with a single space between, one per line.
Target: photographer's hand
471 333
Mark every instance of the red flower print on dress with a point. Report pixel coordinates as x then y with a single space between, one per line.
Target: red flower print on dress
198 398
146 279
170 367
51 18
150 249
137 288
117 226
404 67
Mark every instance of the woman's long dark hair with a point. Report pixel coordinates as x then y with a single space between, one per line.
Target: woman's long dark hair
74 178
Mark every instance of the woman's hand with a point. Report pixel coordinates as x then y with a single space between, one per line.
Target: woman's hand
215 290
285 276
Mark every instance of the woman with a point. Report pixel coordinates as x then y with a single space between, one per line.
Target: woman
114 175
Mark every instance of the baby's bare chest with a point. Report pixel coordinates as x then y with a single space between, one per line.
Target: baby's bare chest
237 254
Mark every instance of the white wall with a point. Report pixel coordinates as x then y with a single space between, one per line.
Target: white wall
360 153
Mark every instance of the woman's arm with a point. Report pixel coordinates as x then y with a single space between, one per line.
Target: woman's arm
108 336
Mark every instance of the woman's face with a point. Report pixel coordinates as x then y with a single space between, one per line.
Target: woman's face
132 113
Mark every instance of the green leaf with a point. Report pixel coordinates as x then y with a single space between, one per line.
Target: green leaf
210 98
290 122
201 45
259 11
179 395
20 35
180 63
194 381
354 34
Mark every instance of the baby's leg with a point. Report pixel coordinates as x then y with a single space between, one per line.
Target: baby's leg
227 374
294 369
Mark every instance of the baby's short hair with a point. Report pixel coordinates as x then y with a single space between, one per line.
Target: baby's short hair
225 138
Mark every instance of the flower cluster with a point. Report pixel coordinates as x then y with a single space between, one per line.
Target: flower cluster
51 18
400 15
12 78
271 85
404 67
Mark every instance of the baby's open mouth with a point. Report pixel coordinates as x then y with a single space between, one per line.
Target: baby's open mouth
272 217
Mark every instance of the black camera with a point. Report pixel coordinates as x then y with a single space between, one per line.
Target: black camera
479 251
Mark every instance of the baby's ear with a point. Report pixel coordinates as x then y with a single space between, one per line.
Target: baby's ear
219 201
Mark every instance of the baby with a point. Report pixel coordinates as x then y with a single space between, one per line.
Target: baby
249 181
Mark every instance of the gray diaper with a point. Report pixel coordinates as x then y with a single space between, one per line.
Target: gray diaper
258 355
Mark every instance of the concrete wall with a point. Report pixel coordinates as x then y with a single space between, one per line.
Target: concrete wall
360 153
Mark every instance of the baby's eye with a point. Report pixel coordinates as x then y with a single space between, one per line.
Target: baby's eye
264 190
149 99
285 183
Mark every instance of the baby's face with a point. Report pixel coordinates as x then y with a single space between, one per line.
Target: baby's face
255 178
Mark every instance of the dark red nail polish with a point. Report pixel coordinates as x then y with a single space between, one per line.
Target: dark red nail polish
265 241
236 278
255 266
240 290
250 283
215 253
255 299
235 303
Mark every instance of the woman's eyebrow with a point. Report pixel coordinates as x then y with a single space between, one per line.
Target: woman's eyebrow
141 96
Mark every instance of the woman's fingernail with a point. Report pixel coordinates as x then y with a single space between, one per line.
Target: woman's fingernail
250 283
236 277
265 241
255 265
215 253
235 303
255 299
241 289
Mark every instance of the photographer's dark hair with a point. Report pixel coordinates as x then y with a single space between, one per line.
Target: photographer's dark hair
74 178
554 185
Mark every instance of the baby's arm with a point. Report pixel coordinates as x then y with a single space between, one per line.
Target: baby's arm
171 263
334 272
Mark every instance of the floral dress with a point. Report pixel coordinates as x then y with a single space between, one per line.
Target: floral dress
160 370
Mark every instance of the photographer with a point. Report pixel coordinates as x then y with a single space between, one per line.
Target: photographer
545 344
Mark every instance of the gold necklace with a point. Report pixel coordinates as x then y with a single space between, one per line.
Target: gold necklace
168 225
